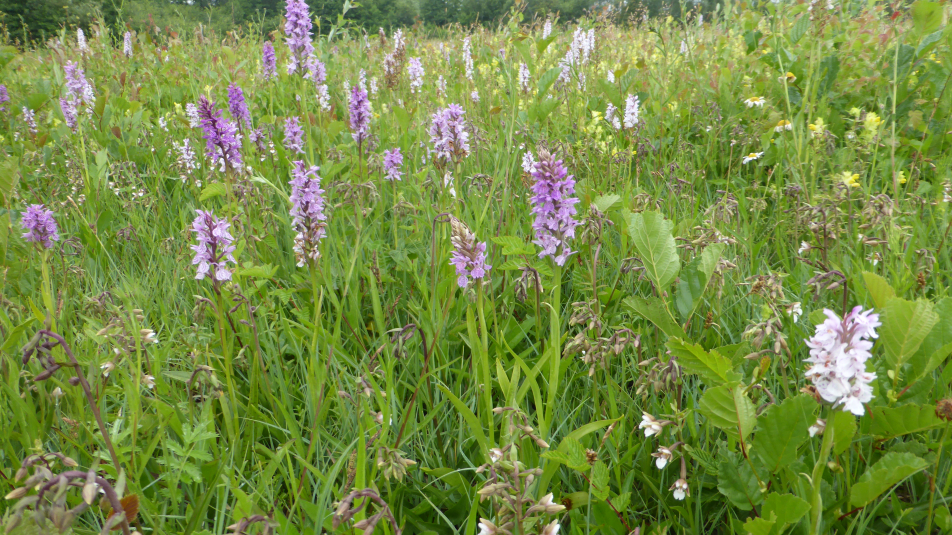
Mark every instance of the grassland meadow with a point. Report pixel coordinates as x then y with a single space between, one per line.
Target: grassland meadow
646 276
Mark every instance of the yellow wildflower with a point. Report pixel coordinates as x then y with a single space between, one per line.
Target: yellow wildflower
850 179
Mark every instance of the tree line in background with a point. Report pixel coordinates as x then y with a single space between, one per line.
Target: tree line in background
37 20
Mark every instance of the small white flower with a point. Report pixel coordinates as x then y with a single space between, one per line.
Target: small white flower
486 527
795 311
662 457
817 428
108 367
752 156
495 454
148 381
755 101
650 425
57 393
551 528
680 489
804 247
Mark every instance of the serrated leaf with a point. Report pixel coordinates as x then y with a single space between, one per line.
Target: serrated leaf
799 28
728 408
844 427
621 501
737 481
512 245
258 272
938 344
879 289
783 428
711 366
905 326
600 486
651 236
215 189
695 278
784 508
705 459
653 310
570 452
882 476
892 422
605 203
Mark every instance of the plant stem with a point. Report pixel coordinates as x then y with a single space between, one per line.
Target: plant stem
817 504
935 474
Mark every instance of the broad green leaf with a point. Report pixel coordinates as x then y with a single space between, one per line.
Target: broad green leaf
844 427
799 28
927 16
728 408
547 79
628 78
695 278
541 110
714 368
571 453
258 272
786 508
879 289
215 189
905 326
882 476
937 345
760 525
737 481
605 203
542 44
703 458
653 310
892 422
600 485
9 177
651 235
512 245
403 117
781 429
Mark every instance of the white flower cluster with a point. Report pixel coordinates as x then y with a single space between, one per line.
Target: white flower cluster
524 77
416 73
838 353
632 111
468 58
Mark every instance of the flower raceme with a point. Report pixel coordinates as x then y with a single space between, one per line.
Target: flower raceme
269 62
392 162
297 28
359 115
469 257
838 353
449 134
238 107
307 212
553 203
40 226
214 248
221 142
293 135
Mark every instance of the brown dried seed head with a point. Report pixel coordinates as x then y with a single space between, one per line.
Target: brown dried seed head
943 409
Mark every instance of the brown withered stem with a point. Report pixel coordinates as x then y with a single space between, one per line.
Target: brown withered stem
346 511
43 342
55 509
241 527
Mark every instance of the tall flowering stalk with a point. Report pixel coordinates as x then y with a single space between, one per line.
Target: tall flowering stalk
214 249
127 44
392 163
41 229
632 111
416 73
449 134
269 62
553 204
221 142
359 117
469 259
838 353
238 107
307 213
40 226
293 136
297 28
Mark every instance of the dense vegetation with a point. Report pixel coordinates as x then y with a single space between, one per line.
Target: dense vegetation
522 279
